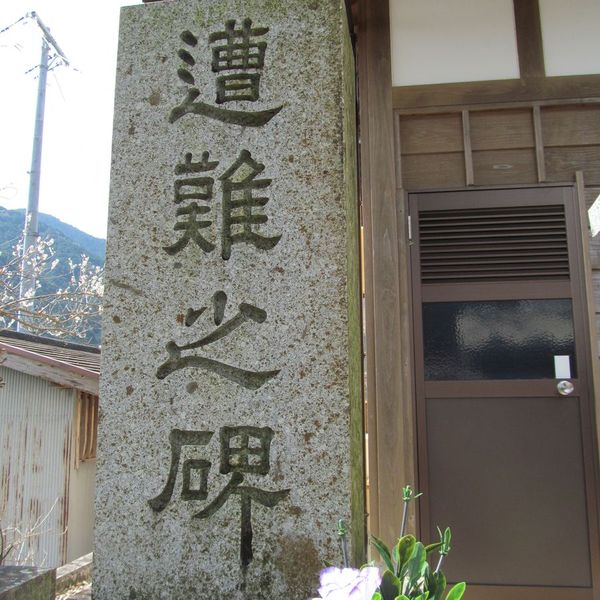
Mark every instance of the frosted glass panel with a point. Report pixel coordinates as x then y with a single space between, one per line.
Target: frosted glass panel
441 41
571 36
504 339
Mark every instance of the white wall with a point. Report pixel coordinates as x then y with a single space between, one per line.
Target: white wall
81 509
81 499
444 41
571 36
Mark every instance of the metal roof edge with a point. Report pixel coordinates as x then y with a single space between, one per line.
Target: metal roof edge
49 368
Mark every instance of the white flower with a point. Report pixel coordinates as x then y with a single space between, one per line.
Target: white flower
348 584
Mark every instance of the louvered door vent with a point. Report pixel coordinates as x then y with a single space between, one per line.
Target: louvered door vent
492 244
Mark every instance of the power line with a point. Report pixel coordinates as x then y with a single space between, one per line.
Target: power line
15 23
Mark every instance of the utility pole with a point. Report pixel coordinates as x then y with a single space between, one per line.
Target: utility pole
31 233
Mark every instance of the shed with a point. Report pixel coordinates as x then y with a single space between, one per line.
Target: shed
48 424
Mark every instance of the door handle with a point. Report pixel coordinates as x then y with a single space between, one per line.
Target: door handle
565 388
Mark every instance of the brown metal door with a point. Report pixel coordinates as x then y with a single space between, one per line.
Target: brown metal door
504 458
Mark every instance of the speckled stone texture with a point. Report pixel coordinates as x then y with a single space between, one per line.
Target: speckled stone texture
276 347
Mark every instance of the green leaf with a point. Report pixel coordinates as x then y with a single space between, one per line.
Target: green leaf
456 593
407 545
445 537
390 586
431 547
436 583
384 552
407 493
395 552
403 551
376 596
402 597
416 566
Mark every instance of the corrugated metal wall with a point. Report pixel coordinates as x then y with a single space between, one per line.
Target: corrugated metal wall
35 455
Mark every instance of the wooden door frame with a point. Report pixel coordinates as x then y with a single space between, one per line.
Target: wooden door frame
391 462
390 412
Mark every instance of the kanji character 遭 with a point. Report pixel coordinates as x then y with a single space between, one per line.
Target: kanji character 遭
239 61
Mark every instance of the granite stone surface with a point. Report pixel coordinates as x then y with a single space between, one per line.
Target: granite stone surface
230 439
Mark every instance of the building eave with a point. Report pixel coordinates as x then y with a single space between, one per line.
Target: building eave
48 368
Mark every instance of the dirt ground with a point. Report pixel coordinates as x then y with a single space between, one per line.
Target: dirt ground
80 592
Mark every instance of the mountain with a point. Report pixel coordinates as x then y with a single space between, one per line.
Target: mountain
69 243
69 240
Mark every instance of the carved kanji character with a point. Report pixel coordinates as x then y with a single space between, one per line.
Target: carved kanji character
239 63
177 439
240 204
249 455
239 54
193 188
251 380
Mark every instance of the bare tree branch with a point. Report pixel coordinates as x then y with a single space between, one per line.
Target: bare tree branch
69 311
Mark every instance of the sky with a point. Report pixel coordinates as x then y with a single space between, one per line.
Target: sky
79 107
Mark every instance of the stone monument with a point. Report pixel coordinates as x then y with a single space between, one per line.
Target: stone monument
230 437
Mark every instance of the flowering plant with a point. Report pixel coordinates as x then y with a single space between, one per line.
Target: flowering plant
348 584
407 574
